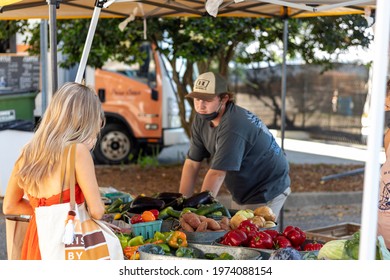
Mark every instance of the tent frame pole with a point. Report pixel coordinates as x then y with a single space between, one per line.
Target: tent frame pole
53 4
88 41
43 52
368 235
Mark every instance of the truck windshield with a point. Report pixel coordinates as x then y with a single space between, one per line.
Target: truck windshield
144 72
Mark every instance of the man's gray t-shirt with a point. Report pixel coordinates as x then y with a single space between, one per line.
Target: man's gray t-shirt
257 170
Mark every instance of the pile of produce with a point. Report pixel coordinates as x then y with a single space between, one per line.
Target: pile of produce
262 216
145 216
172 243
168 205
202 204
348 249
248 234
192 222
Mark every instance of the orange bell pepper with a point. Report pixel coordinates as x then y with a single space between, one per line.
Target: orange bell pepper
131 252
148 216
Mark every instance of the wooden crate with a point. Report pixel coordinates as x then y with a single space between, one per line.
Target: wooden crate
339 231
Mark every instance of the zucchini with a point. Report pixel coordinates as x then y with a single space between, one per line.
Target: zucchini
114 207
225 212
176 204
168 212
209 208
173 213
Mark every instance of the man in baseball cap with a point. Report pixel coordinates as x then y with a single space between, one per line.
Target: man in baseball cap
242 152
209 85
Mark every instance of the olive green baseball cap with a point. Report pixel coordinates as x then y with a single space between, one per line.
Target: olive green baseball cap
208 85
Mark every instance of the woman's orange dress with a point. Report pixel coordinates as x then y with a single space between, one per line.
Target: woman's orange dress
30 249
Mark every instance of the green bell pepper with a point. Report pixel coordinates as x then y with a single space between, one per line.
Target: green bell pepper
185 252
165 247
136 241
159 236
123 239
224 256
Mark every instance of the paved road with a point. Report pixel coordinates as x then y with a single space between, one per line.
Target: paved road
304 210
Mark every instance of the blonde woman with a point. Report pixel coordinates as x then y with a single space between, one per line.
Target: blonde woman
73 116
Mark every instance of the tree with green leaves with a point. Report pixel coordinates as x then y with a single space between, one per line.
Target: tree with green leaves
8 29
211 44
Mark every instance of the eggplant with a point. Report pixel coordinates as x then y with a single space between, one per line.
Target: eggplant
168 195
142 203
176 204
194 201
173 199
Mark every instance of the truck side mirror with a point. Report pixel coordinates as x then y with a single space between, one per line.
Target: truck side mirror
102 94
154 94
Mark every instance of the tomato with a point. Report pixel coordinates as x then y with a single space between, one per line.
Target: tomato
155 213
137 218
148 216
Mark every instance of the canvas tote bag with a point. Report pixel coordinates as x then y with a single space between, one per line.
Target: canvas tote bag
67 232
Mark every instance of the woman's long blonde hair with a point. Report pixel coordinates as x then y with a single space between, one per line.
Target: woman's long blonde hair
74 115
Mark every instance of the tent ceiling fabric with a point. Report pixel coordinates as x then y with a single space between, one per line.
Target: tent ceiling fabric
28 9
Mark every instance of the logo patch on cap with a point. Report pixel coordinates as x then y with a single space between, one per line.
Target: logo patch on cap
202 84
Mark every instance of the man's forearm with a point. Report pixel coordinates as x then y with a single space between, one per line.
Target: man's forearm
213 181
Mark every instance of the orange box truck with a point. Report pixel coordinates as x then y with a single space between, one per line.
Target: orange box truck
140 106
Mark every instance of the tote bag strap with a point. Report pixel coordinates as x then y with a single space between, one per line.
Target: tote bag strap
71 176
63 169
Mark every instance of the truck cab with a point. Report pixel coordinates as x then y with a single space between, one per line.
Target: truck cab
140 107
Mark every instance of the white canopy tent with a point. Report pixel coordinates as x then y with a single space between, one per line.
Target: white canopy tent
246 8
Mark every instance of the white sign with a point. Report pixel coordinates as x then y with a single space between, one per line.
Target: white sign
7 115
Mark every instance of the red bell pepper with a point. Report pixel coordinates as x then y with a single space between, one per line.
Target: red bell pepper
281 241
312 246
272 232
261 240
287 229
295 235
249 228
234 237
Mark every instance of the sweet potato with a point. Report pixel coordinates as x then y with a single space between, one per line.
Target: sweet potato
202 227
212 224
202 218
192 219
225 220
186 226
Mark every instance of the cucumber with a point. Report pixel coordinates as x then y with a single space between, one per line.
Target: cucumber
173 213
209 208
114 207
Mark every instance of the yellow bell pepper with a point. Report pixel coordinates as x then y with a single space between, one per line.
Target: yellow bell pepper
177 239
